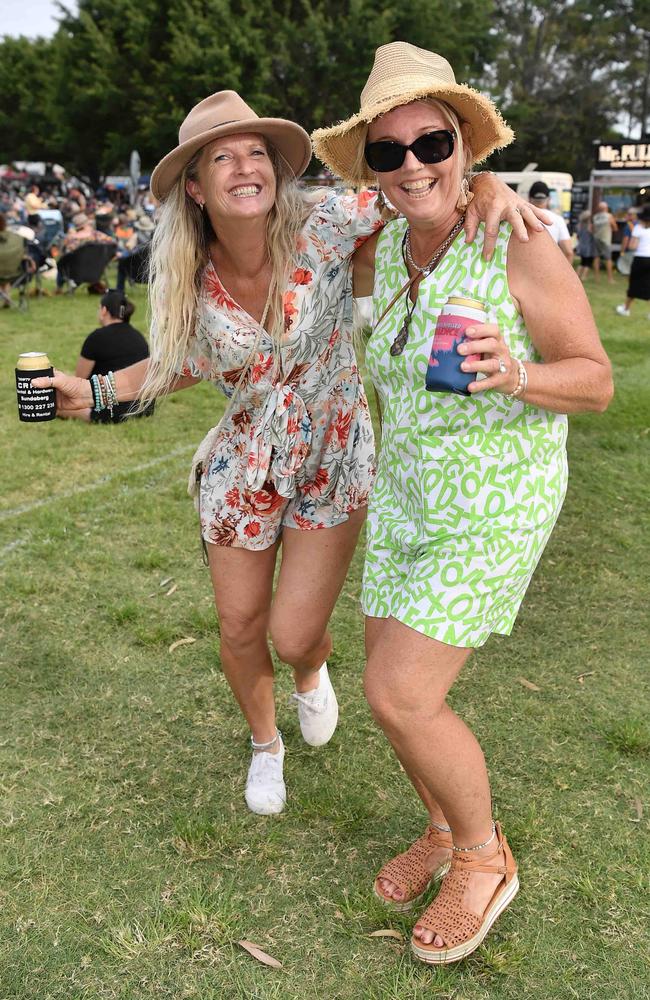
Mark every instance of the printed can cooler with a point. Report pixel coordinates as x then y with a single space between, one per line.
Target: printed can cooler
444 373
34 405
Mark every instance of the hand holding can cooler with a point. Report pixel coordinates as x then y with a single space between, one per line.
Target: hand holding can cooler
444 373
34 405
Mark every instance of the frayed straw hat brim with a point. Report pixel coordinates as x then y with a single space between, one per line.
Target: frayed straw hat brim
338 147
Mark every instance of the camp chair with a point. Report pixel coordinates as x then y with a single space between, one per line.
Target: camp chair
14 269
52 228
86 264
134 267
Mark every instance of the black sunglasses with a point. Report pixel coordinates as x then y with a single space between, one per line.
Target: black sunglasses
432 147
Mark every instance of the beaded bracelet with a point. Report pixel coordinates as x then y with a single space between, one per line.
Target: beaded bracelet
97 394
522 383
112 387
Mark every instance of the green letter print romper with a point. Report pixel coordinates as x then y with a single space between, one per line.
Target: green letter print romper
468 487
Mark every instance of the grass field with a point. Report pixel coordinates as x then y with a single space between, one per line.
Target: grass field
129 866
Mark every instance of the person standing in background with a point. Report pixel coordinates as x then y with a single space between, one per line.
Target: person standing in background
628 226
639 243
604 225
586 245
540 196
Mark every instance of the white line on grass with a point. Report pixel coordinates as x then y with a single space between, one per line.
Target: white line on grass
11 546
48 501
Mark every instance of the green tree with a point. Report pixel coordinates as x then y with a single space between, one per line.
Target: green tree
124 72
559 75
28 114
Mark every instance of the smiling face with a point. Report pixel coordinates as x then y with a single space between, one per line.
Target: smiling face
235 178
421 191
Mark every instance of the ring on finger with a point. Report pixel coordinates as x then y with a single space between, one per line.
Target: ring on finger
502 367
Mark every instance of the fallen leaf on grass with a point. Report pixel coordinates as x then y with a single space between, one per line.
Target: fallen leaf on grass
181 642
387 933
587 673
261 956
528 684
638 806
171 590
166 581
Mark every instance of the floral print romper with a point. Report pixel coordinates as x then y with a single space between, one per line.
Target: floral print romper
297 448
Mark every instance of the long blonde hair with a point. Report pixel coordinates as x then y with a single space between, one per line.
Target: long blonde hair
180 252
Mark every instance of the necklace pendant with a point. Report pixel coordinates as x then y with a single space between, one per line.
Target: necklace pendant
398 345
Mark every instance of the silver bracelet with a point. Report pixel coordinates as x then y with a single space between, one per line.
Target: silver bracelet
522 383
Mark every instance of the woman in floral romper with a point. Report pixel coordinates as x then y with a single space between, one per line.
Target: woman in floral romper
250 289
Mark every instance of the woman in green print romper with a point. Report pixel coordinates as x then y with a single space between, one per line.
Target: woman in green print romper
468 487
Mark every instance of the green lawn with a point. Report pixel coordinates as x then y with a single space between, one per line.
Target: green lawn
129 866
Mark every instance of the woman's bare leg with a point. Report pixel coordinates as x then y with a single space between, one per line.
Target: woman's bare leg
407 680
314 566
313 570
243 585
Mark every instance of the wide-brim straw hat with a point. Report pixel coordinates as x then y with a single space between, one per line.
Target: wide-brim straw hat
403 73
225 113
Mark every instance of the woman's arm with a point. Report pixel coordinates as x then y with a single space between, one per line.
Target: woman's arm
575 375
363 263
495 202
73 393
85 367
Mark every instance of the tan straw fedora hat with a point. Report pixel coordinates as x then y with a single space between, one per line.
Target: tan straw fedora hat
225 113
403 73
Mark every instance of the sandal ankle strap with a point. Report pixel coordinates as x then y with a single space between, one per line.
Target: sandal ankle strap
438 837
486 863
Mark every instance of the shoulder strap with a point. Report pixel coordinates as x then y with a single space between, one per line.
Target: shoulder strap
397 296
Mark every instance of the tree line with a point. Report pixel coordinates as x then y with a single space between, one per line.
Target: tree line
122 74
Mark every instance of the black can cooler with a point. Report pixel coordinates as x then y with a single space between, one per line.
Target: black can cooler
34 405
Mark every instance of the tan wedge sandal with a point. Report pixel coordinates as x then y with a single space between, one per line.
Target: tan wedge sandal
448 917
410 871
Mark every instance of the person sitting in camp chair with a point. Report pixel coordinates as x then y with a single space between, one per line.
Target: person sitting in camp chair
16 266
86 252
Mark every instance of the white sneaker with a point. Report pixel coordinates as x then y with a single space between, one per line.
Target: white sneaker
266 792
318 711
622 311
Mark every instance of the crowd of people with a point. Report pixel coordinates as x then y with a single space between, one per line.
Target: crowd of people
57 221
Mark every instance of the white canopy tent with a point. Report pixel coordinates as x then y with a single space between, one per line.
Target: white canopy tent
602 179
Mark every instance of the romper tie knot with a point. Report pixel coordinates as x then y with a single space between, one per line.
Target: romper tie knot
280 441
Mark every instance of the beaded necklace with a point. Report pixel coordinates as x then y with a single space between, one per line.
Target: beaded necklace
402 337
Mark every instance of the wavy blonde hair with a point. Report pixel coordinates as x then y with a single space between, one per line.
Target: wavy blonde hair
180 252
